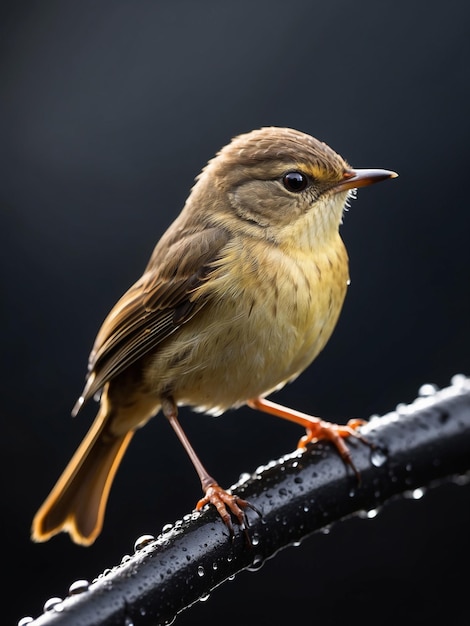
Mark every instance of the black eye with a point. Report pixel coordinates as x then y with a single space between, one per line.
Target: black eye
295 181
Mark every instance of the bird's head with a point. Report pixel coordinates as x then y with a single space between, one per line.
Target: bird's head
274 181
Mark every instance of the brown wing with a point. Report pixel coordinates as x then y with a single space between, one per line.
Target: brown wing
161 301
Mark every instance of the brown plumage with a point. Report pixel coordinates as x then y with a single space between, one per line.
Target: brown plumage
240 295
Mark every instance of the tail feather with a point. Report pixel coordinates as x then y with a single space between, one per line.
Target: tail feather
77 502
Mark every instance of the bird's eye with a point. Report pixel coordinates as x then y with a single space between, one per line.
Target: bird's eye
295 181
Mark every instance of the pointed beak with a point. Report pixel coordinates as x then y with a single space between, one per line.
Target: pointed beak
362 178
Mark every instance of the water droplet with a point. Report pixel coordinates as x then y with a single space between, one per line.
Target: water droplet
167 528
352 492
128 622
378 457
52 603
125 558
459 380
143 611
214 565
415 494
200 571
428 389
232 577
298 480
256 564
306 508
244 477
401 408
143 541
25 620
255 539
79 586
371 513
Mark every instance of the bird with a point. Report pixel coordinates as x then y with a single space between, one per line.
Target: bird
240 295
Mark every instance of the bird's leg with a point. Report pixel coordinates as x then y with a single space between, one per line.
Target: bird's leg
317 429
224 502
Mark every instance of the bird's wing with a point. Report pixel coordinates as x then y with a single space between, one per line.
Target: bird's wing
163 299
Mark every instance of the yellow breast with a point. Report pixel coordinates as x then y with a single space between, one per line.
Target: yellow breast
269 315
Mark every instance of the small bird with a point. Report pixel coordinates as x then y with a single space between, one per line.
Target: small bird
240 295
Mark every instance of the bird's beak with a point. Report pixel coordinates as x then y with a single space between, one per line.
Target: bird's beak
362 178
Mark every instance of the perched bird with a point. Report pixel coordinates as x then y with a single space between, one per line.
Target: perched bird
240 295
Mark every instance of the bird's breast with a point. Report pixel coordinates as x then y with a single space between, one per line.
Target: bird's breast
268 316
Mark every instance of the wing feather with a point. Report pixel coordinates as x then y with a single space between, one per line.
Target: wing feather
163 299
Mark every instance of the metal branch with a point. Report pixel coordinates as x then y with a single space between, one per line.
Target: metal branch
414 446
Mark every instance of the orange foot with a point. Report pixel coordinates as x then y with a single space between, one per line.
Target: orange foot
227 503
317 429
321 430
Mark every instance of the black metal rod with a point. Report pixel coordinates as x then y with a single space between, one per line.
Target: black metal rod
417 444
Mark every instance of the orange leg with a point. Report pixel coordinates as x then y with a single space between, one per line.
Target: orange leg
317 429
225 502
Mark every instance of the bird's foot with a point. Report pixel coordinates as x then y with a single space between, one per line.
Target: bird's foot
228 504
320 430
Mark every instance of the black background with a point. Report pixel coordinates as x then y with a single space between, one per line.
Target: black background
108 112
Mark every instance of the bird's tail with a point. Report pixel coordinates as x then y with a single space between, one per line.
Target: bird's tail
77 502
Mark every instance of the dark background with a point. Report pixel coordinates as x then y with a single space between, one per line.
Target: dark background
108 112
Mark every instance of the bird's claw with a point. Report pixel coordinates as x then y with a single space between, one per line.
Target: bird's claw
228 504
322 430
